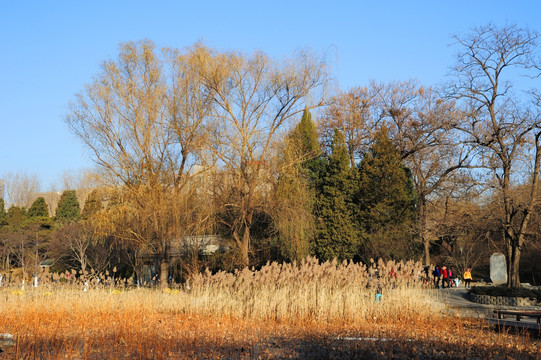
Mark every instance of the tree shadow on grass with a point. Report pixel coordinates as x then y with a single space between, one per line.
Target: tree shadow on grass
305 347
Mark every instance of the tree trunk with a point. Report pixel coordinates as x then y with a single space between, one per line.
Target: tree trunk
245 246
422 229
513 256
83 265
163 261
164 273
426 245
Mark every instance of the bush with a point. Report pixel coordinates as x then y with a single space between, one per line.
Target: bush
506 291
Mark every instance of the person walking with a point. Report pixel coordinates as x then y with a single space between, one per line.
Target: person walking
452 275
436 274
444 277
467 278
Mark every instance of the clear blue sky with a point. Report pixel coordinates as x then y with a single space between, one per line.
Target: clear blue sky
50 49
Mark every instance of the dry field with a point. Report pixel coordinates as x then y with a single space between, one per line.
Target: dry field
282 311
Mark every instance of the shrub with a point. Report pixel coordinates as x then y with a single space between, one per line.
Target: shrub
506 291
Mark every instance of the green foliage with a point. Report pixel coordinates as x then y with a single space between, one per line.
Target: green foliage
92 205
295 195
16 217
305 139
2 212
294 220
68 207
337 234
307 135
386 199
38 208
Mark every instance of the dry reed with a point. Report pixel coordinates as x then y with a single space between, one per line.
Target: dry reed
281 310
310 290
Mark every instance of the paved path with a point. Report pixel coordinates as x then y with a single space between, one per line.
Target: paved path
456 302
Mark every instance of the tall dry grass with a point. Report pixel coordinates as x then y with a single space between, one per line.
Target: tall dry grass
304 310
310 290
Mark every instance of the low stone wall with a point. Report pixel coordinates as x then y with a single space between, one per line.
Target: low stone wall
502 300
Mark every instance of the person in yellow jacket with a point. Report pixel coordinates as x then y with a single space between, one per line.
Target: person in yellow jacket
467 277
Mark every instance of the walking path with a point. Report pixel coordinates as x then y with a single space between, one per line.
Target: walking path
456 302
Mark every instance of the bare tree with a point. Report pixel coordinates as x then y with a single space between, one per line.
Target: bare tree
504 131
254 98
351 113
463 225
27 246
20 188
421 125
142 118
73 242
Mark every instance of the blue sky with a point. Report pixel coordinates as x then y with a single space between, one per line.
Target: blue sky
51 49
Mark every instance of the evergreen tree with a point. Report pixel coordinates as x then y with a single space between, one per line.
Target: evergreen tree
2 212
16 217
294 193
38 208
68 207
307 136
386 201
337 235
92 205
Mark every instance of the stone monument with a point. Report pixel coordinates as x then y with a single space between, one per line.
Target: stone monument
498 269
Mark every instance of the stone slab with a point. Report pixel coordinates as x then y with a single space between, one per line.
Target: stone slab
498 269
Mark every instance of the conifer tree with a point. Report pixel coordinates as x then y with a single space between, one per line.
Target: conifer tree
2 212
38 208
68 207
294 191
386 200
92 205
307 135
337 235
16 217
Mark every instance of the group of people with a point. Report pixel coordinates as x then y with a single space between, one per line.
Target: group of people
448 277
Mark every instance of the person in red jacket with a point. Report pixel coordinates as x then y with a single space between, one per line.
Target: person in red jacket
444 277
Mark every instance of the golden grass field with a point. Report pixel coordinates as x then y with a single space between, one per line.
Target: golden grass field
302 311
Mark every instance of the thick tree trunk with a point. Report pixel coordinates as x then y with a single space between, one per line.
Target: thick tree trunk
163 261
513 257
164 273
243 244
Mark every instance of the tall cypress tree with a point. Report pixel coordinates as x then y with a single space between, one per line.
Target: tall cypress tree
68 207
294 190
38 208
307 135
337 235
386 200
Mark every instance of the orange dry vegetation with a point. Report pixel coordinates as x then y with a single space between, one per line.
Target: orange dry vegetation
227 320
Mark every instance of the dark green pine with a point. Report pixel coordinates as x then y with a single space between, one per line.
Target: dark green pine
68 207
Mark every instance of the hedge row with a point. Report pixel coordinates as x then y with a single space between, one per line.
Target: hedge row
506 291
